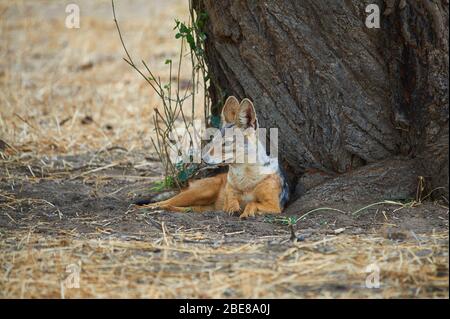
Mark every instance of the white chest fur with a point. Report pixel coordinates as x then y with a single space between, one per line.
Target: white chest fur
247 198
245 177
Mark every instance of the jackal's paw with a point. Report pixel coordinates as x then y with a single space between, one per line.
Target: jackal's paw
249 211
232 207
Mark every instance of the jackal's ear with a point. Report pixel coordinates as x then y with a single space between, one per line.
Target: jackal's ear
247 115
230 110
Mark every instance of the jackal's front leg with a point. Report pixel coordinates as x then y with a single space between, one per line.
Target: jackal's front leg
254 208
231 202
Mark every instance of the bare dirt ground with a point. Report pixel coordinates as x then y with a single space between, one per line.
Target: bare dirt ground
75 123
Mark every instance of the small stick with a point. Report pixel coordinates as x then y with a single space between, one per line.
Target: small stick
95 170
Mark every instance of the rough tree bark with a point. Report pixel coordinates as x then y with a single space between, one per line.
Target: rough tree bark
344 97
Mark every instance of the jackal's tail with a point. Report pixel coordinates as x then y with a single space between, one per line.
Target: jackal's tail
153 199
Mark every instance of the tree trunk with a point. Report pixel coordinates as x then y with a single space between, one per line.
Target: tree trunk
344 97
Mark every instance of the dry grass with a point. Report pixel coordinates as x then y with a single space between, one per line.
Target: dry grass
34 266
54 80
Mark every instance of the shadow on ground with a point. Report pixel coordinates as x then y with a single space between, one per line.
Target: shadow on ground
94 192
